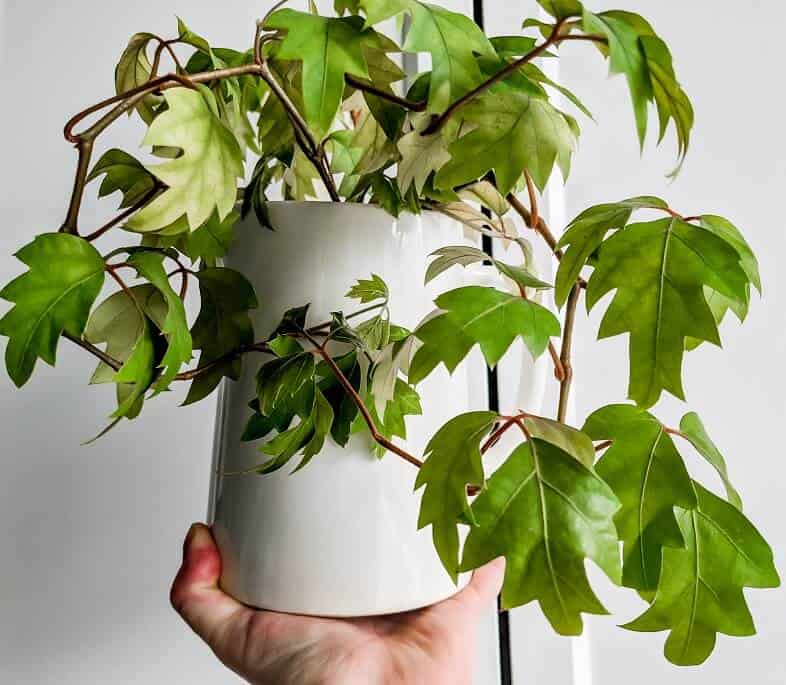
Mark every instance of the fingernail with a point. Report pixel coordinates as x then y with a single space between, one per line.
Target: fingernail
192 532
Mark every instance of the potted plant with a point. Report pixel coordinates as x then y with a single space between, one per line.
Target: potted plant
364 399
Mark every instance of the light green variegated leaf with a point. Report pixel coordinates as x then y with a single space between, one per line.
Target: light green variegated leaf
149 265
465 255
692 428
134 69
329 48
369 290
300 177
485 316
585 234
453 41
453 461
546 512
421 155
701 588
120 322
125 173
648 476
511 130
659 270
65 274
487 195
375 150
203 179
223 326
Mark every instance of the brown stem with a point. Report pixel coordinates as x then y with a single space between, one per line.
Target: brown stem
603 445
534 217
539 227
359 84
584 36
110 361
125 214
559 370
353 394
565 354
440 121
198 371
85 151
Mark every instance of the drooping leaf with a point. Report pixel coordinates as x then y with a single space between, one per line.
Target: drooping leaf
648 476
724 229
65 274
453 41
659 270
322 420
701 588
222 327
282 378
134 69
511 129
570 440
693 429
329 48
203 179
453 461
546 513
344 408
485 316
149 265
446 257
585 234
125 173
120 322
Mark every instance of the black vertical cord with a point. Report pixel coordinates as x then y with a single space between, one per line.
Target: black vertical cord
492 381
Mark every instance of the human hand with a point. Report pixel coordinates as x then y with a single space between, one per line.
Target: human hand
430 646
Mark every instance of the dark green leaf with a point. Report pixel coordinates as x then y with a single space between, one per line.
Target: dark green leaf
648 475
546 513
700 593
124 173
453 461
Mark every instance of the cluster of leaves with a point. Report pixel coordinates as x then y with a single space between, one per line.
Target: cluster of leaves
318 102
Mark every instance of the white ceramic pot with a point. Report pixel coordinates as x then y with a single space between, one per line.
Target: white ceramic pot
338 538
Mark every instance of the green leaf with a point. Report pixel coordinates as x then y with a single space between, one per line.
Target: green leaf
700 593
546 513
376 11
203 179
670 99
282 378
659 270
322 420
571 441
648 476
65 275
344 408
124 173
134 69
405 402
211 240
562 9
485 316
510 130
723 228
120 322
149 265
626 56
421 155
299 178
222 327
453 461
369 290
513 46
693 430
453 41
329 48
585 234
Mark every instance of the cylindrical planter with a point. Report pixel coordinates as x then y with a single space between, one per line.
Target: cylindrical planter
338 538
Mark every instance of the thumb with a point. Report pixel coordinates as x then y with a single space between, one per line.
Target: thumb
195 594
484 587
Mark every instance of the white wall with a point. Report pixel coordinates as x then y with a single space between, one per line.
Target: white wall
90 536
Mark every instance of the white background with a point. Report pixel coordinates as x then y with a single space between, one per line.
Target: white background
90 537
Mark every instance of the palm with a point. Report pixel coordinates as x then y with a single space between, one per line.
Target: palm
433 645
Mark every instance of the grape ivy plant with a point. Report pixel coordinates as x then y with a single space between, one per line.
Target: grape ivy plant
315 108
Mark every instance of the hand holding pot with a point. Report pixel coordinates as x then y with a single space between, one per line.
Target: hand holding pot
433 645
